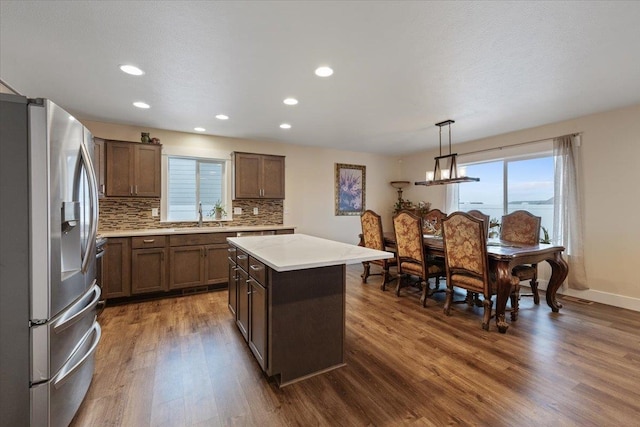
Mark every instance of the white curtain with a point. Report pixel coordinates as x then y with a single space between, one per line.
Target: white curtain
451 198
567 212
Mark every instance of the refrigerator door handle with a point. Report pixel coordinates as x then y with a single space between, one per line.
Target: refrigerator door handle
78 310
65 373
93 195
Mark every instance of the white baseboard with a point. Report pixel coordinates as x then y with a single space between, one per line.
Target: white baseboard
607 298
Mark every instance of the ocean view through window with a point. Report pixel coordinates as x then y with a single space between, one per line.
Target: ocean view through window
507 185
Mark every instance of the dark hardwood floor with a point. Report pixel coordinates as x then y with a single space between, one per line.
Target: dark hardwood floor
182 362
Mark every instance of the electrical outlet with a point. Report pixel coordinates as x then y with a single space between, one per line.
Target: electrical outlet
154 211
237 211
255 211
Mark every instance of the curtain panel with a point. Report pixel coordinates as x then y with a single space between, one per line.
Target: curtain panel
568 229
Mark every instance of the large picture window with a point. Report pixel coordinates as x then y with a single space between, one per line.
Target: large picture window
507 185
191 181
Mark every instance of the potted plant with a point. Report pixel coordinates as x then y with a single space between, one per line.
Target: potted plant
218 210
494 228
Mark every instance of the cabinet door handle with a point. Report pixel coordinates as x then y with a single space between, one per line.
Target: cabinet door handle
131 189
231 249
136 189
149 240
242 256
102 188
256 267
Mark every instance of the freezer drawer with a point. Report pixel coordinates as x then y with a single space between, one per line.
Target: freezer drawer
55 402
54 342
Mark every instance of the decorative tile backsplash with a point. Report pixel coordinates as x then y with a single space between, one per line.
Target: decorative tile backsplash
130 213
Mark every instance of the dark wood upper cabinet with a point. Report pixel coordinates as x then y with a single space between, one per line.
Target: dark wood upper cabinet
133 169
258 176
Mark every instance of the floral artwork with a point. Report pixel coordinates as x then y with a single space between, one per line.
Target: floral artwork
350 189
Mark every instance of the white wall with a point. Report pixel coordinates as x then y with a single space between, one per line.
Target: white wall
611 155
309 176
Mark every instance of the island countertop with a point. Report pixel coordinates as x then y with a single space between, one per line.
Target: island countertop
289 252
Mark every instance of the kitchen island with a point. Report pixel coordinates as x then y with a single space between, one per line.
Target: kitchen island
287 294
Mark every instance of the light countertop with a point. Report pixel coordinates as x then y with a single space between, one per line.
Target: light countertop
192 230
287 252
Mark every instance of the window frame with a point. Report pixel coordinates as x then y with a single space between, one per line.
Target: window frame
200 155
542 151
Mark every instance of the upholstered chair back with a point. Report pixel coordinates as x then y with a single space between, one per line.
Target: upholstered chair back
477 214
465 249
521 227
408 231
372 230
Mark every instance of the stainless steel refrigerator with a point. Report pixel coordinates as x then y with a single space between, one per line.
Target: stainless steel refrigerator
48 290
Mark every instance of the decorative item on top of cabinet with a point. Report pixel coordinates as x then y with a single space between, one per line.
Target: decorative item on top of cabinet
133 169
258 176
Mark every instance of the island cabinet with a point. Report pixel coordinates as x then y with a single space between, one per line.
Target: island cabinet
292 321
198 259
258 176
115 277
133 169
233 280
148 264
257 293
242 308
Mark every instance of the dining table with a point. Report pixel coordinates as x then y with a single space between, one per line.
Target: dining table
503 257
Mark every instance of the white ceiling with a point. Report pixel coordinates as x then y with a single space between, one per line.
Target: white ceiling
400 67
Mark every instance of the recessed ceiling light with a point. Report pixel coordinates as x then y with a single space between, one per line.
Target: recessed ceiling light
323 71
285 126
141 104
199 129
290 101
131 69
222 117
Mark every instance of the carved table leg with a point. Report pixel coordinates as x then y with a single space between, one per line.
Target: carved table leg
559 271
503 290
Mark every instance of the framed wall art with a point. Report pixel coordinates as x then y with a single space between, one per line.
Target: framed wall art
350 189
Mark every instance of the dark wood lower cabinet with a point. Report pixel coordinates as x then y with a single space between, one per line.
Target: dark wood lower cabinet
148 270
116 268
186 268
216 263
133 266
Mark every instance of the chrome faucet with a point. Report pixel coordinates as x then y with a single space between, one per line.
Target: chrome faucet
200 214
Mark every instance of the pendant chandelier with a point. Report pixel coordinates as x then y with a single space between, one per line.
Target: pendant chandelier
446 174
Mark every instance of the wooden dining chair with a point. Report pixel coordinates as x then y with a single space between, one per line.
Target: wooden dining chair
473 297
434 217
411 257
478 214
524 228
465 252
373 238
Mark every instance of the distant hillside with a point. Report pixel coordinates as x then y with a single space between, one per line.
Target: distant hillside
533 202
